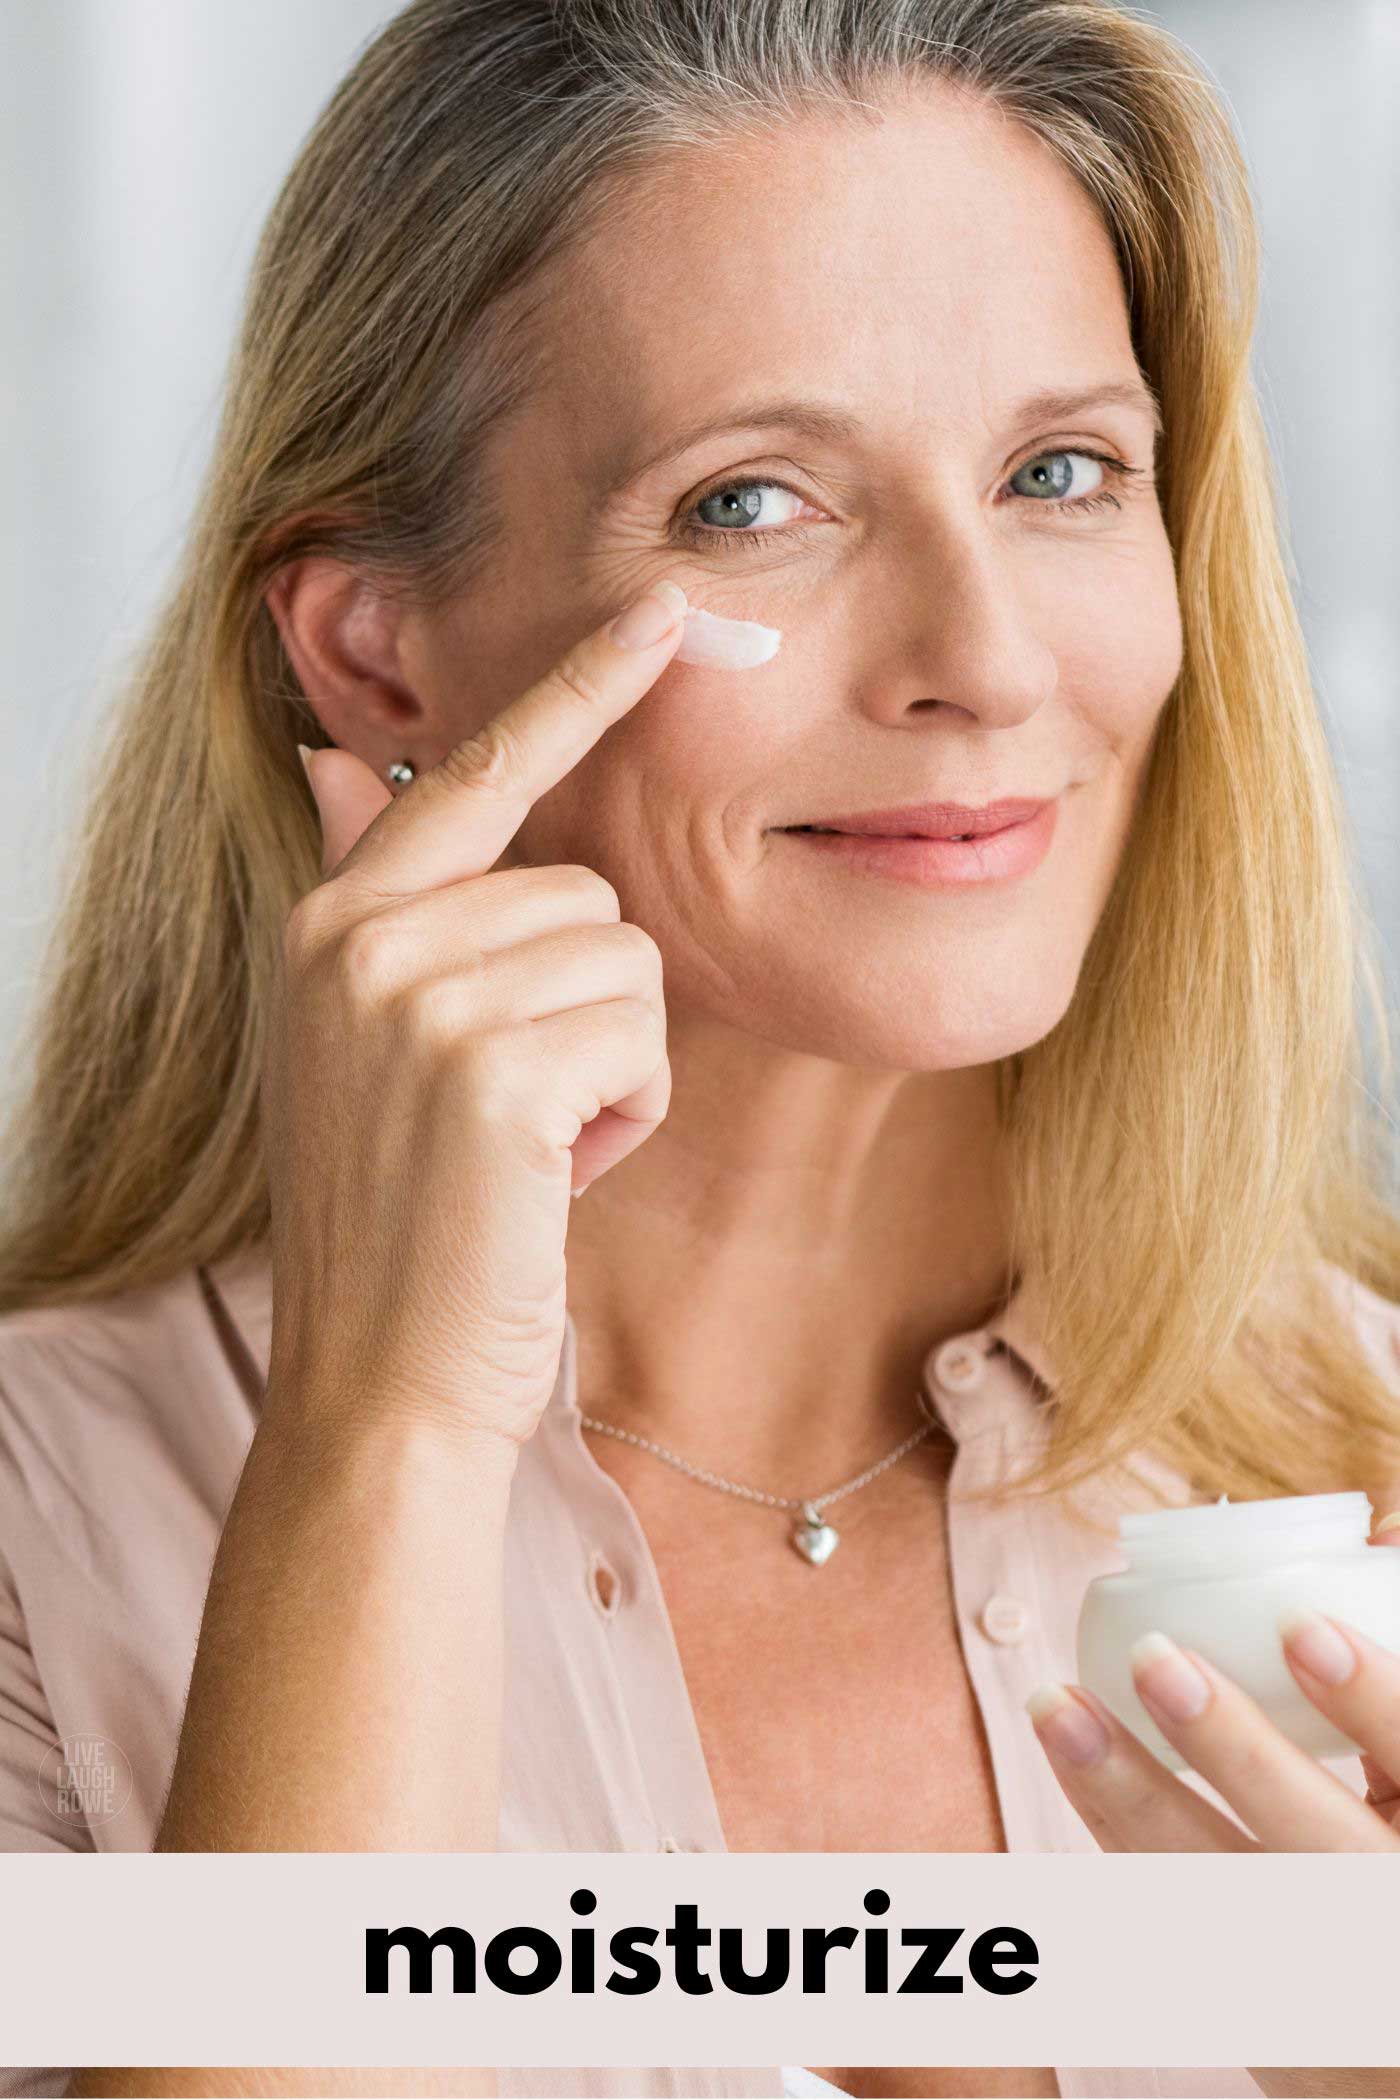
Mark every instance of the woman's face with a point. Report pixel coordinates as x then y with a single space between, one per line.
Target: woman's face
950 632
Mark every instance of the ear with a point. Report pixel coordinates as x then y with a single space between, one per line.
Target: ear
347 644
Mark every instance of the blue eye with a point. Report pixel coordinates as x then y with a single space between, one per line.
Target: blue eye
739 501
1051 480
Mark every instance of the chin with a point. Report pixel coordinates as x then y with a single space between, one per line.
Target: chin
920 1028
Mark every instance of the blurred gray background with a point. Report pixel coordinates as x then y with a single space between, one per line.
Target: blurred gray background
143 141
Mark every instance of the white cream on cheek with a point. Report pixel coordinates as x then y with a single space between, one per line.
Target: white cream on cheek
728 645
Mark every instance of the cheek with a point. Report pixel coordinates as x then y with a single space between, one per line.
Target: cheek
671 806
1119 652
707 739
655 799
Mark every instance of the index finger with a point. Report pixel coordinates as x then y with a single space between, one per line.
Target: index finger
458 818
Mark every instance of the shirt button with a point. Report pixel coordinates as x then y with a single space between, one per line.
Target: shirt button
960 1365
1005 1618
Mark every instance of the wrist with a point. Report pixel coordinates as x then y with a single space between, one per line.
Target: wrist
368 1432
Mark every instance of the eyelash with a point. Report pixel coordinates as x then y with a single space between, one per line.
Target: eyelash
697 535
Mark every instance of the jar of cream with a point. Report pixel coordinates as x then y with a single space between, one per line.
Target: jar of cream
1216 1577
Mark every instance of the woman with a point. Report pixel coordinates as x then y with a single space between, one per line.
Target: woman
996 1186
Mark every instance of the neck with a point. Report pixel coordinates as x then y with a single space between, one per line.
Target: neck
758 1285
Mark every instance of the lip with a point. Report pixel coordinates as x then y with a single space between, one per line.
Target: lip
1012 850
935 820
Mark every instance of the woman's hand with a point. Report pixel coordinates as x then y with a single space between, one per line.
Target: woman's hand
1132 1803
452 1046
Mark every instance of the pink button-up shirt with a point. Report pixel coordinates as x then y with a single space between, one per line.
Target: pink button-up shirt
124 1427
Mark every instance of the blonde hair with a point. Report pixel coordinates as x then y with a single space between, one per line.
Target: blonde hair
1192 1147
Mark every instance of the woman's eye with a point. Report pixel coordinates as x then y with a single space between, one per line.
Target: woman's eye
755 511
742 509
1052 478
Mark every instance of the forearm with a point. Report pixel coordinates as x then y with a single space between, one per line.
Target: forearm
346 1693
347 1685
294 2080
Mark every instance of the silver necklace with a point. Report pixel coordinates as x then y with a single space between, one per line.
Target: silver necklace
812 1536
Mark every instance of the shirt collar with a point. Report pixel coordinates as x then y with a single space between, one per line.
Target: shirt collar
1019 1327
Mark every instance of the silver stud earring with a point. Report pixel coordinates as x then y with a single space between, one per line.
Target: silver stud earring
401 771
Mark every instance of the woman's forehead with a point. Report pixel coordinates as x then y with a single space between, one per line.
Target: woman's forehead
914 300
942 192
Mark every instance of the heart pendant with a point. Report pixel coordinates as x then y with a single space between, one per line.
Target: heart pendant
814 1539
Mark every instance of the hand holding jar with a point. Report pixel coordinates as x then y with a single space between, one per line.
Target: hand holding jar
1253 1583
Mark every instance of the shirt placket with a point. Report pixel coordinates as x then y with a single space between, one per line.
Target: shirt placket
998 1601
648 1674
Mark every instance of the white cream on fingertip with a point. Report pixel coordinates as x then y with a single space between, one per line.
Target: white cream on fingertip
727 645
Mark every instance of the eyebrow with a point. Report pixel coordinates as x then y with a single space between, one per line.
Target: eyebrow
812 419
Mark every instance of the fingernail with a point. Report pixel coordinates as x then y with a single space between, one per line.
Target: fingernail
1390 1523
1067 1724
305 750
1317 1645
1164 1676
650 617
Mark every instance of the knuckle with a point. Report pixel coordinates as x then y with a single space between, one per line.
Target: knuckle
494 1080
572 675
491 760
440 1015
640 941
642 1016
370 955
589 885
1137 1799
1245 1764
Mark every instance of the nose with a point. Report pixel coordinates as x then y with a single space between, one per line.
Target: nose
952 637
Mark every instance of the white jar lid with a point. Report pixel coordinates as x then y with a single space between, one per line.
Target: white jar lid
1214 1522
